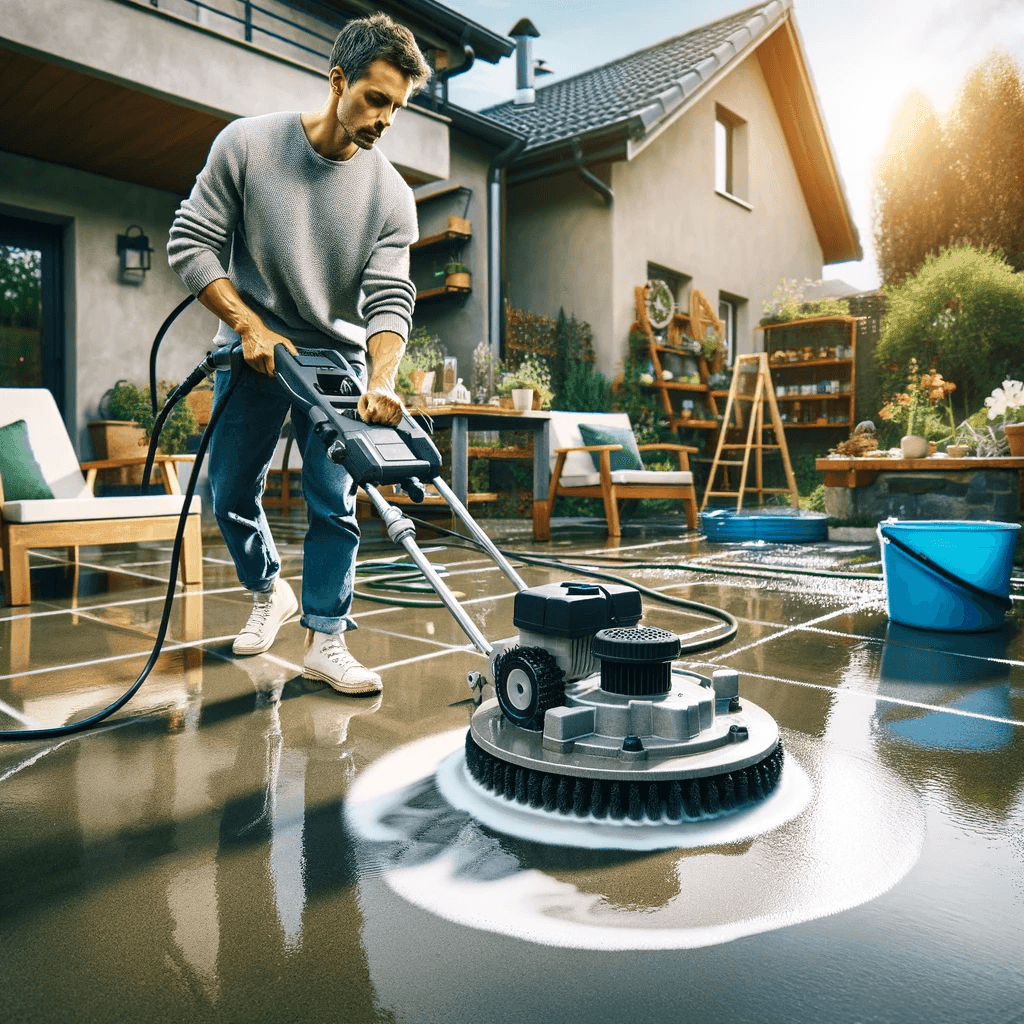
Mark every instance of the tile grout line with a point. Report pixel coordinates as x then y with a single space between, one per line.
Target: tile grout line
880 698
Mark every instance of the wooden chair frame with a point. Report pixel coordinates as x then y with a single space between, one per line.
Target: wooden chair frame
17 539
610 493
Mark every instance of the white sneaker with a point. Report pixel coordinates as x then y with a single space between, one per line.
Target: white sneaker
329 660
270 611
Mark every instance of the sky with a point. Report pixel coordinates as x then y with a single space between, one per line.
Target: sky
865 56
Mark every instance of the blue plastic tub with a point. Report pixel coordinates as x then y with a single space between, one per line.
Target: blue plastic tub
782 527
954 575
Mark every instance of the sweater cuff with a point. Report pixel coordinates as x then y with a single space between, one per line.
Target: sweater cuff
387 322
200 271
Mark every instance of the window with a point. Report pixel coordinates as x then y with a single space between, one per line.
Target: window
730 155
729 312
31 314
677 282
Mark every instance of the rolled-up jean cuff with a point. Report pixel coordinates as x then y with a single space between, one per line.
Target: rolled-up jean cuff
328 624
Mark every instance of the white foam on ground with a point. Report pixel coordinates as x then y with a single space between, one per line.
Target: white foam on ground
810 850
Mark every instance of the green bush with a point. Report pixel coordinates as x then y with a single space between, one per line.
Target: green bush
962 313
127 401
584 390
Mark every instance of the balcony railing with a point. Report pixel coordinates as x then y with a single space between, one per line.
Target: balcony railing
275 25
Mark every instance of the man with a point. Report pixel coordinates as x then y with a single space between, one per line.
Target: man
319 226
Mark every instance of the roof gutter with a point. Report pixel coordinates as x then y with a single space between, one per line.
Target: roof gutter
588 176
443 76
494 241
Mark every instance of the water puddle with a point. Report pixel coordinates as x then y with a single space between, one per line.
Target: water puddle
839 831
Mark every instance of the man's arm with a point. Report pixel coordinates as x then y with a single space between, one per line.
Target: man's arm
221 298
380 404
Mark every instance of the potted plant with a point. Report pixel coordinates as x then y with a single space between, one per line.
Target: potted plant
913 410
711 349
418 369
128 425
530 375
456 276
1006 404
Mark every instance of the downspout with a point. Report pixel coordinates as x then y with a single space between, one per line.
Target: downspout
494 172
442 77
588 176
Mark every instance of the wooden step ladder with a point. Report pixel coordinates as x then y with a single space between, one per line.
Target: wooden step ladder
751 382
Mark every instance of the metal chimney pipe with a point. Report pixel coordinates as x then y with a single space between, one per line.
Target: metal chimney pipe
524 32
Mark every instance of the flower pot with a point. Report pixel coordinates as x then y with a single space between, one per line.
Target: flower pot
522 398
459 281
913 447
957 451
1015 435
459 225
119 439
202 405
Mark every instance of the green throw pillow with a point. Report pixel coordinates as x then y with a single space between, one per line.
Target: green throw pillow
629 455
22 478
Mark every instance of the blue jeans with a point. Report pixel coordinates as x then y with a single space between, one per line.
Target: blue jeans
241 451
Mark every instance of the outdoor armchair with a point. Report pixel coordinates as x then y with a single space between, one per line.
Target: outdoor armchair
50 504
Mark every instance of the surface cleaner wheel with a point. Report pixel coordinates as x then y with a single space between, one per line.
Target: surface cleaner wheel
528 681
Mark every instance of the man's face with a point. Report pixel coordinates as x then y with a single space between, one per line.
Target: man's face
367 108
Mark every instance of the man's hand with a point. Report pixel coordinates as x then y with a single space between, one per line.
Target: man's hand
258 343
380 404
221 298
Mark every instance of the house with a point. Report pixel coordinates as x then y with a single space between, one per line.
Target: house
108 111
703 161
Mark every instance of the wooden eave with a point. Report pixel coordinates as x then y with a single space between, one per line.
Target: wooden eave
792 92
69 117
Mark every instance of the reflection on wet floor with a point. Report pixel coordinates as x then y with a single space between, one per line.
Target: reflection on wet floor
200 856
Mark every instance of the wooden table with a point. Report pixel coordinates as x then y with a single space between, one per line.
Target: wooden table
461 419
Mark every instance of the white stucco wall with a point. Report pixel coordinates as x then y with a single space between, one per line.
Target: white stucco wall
667 211
566 248
109 326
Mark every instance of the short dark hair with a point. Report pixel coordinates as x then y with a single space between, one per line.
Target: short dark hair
377 37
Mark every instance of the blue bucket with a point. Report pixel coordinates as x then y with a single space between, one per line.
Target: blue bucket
949 575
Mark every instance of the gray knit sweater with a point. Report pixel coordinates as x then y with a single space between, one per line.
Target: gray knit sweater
314 244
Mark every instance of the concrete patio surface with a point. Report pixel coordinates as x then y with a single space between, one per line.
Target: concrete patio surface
238 844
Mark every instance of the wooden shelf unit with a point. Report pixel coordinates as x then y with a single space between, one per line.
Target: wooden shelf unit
458 232
672 393
821 410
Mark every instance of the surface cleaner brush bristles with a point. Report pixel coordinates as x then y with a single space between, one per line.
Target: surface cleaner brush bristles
664 800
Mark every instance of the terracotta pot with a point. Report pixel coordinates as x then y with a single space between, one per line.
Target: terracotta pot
202 405
913 447
119 439
457 281
957 451
1015 435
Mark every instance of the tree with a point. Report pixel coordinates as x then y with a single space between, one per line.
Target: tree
961 313
955 183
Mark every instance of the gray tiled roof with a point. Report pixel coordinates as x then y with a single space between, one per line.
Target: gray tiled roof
647 85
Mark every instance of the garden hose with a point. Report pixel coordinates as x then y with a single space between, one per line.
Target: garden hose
193 480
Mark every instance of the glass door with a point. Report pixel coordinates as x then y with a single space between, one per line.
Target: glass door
31 307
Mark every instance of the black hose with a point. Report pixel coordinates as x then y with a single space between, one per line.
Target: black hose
555 563
99 716
155 348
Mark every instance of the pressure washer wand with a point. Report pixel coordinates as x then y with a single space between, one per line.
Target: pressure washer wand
478 534
403 532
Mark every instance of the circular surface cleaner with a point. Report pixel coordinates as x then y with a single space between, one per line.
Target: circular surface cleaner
838 831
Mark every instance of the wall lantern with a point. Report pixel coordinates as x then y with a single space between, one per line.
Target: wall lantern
136 255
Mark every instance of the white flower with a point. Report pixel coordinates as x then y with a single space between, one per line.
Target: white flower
1009 396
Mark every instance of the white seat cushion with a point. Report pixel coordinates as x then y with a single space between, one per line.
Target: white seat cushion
655 477
61 510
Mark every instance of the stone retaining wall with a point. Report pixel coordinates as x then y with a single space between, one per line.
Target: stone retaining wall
978 494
